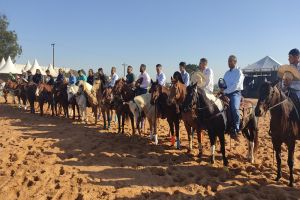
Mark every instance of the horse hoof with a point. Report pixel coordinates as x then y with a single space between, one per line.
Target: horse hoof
291 184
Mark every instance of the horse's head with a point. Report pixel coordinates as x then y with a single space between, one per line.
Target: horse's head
190 98
155 91
117 89
177 93
267 95
72 91
39 89
107 96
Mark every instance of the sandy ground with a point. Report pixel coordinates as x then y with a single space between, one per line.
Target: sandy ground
55 158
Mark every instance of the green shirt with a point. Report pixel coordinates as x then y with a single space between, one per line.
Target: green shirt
130 78
82 78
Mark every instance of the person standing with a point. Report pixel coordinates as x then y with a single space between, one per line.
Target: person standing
234 79
114 77
160 76
130 77
184 74
90 78
143 81
209 75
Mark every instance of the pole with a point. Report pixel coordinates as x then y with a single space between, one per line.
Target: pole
124 66
53 54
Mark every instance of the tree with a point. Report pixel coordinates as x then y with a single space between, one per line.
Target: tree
190 68
8 40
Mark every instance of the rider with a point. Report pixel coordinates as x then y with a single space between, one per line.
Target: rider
290 86
90 78
143 81
160 76
50 79
113 77
130 77
37 78
234 79
184 74
81 76
209 75
72 78
60 78
29 76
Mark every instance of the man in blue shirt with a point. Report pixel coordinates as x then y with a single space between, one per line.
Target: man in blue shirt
184 74
234 79
72 78
114 77
160 76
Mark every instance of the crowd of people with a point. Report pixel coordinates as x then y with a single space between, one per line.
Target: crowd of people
231 84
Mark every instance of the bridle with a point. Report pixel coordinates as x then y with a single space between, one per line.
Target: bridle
267 103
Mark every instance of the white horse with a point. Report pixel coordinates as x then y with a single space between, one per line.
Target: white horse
142 104
77 92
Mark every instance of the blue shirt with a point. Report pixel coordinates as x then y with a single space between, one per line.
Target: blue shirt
82 78
113 80
72 80
185 77
161 79
234 79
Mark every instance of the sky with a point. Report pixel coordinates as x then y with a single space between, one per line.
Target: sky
98 33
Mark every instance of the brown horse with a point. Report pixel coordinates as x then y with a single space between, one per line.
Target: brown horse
106 106
61 98
12 88
284 123
44 93
189 117
159 98
123 93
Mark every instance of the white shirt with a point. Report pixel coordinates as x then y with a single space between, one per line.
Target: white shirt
161 78
234 79
146 80
113 80
209 79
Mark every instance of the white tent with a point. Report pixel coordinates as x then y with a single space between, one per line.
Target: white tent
265 64
27 66
2 63
36 66
20 67
9 67
52 71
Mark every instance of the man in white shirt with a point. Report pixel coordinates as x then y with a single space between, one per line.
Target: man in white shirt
234 79
160 76
209 75
114 77
143 81
184 74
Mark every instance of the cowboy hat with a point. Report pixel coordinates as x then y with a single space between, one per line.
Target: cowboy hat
288 69
199 78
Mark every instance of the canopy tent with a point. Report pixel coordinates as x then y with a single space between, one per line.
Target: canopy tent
265 64
36 66
27 66
52 71
2 63
9 67
20 67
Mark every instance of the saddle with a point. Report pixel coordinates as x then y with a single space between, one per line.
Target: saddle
245 111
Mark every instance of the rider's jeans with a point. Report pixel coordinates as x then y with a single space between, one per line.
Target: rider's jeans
235 101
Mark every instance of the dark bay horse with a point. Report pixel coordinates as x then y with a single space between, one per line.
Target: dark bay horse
105 101
210 116
17 89
44 93
122 94
177 96
61 98
159 98
30 94
284 123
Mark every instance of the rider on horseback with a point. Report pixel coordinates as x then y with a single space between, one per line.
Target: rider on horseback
234 79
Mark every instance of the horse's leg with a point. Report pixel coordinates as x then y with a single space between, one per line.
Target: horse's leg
222 143
212 139
132 122
41 103
94 108
277 148
199 137
52 107
104 118
123 121
119 120
190 137
176 124
171 125
73 108
291 150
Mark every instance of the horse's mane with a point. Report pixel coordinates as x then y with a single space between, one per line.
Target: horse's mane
205 100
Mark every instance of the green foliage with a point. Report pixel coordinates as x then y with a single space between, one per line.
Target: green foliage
8 40
190 68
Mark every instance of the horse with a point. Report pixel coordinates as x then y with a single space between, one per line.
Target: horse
284 123
91 97
44 93
30 94
123 93
211 115
141 105
188 116
159 98
105 100
78 100
61 98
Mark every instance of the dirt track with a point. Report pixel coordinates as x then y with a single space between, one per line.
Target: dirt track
56 158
